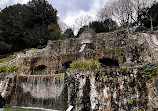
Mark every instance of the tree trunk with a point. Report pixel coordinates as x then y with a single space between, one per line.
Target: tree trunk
151 23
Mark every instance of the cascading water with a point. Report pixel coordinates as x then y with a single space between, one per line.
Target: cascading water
82 48
45 91
6 83
83 43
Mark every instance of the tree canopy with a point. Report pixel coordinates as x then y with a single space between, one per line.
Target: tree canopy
33 24
26 26
39 12
103 26
69 33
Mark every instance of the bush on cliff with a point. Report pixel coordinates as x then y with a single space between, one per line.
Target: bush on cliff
10 68
10 57
149 70
83 64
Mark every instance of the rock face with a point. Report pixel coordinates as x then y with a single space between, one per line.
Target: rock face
118 45
117 90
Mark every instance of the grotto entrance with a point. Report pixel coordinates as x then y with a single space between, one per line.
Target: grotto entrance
109 62
65 66
39 70
40 67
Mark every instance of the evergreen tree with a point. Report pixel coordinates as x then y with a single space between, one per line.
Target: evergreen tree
39 12
11 26
26 26
103 26
69 33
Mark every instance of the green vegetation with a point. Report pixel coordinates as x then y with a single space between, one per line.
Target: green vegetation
8 58
130 101
20 109
63 70
103 26
55 32
27 26
10 68
69 33
147 71
83 64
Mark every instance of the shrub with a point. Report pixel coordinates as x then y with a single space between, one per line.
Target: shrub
8 58
130 101
140 29
10 68
148 70
83 63
3 69
21 52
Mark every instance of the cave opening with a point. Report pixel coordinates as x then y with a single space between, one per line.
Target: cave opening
67 64
109 62
39 70
40 67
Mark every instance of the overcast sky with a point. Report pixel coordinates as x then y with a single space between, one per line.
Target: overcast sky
68 9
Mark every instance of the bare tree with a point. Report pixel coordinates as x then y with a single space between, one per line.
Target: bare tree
63 26
81 21
138 6
119 10
150 16
123 11
102 14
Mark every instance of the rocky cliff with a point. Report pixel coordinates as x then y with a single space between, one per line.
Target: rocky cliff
118 46
114 89
128 81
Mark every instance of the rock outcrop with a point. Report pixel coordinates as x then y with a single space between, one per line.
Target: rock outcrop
121 86
114 89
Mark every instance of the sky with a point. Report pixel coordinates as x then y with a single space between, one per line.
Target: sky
68 10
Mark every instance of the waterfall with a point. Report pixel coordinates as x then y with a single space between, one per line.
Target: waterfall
6 83
45 91
82 48
83 43
43 87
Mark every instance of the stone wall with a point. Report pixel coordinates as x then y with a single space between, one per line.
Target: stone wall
115 89
117 45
